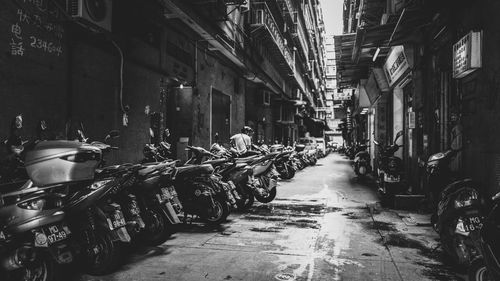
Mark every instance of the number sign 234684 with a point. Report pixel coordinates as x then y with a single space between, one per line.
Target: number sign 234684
44 45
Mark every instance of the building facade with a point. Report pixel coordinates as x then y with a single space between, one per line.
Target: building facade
427 69
199 68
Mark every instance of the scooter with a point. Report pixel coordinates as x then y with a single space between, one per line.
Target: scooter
34 238
486 267
361 164
390 169
458 208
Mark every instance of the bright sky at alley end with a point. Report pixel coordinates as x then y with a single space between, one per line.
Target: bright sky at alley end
332 15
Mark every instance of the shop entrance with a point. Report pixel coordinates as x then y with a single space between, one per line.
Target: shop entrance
221 116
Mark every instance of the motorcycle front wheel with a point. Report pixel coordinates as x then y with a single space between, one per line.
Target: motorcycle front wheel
286 172
105 255
247 200
267 197
456 249
220 211
158 228
43 268
478 271
313 161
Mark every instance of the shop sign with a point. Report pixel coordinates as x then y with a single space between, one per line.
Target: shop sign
396 65
411 120
343 95
467 54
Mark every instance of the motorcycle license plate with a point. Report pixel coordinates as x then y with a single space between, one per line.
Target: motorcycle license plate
472 223
165 194
389 178
53 234
116 220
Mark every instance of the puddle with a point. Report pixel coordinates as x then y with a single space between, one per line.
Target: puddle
290 209
266 218
439 272
284 276
303 224
267 229
355 216
379 225
402 241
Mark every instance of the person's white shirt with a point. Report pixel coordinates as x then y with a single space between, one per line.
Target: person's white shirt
240 142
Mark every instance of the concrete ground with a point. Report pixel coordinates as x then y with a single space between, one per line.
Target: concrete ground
324 225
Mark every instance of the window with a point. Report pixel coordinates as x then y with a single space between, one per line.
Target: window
266 97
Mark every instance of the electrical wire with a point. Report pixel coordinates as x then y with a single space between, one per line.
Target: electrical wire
121 73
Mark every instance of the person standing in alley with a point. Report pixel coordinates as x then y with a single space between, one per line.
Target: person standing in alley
242 142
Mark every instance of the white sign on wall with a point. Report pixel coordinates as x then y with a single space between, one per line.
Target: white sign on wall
467 54
396 64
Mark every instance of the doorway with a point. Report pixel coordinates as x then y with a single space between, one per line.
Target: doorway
220 117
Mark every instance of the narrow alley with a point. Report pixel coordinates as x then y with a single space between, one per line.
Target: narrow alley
324 225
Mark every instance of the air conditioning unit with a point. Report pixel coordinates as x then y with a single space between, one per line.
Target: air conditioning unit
95 14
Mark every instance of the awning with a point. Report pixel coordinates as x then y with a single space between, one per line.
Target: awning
354 52
363 101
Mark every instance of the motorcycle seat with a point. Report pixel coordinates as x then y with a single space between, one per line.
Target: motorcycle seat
240 165
216 162
6 188
149 168
193 170
247 159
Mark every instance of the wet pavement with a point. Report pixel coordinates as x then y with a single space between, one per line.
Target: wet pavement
324 225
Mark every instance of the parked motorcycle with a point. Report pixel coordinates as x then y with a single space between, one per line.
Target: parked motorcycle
458 210
34 239
361 164
202 192
390 169
148 198
284 163
486 267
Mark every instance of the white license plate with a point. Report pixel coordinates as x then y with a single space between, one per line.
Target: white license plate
472 223
389 178
116 221
54 234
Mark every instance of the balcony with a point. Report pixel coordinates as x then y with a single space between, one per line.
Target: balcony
287 8
265 29
299 35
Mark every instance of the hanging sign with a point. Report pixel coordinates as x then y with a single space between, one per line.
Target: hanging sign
411 120
396 65
467 54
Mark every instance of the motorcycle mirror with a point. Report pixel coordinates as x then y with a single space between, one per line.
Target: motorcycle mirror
375 142
18 121
398 135
496 197
43 125
114 134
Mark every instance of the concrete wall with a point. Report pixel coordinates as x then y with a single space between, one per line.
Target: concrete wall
480 95
212 73
81 83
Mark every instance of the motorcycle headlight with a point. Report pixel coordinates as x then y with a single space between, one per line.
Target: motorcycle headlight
466 198
98 184
42 203
431 168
